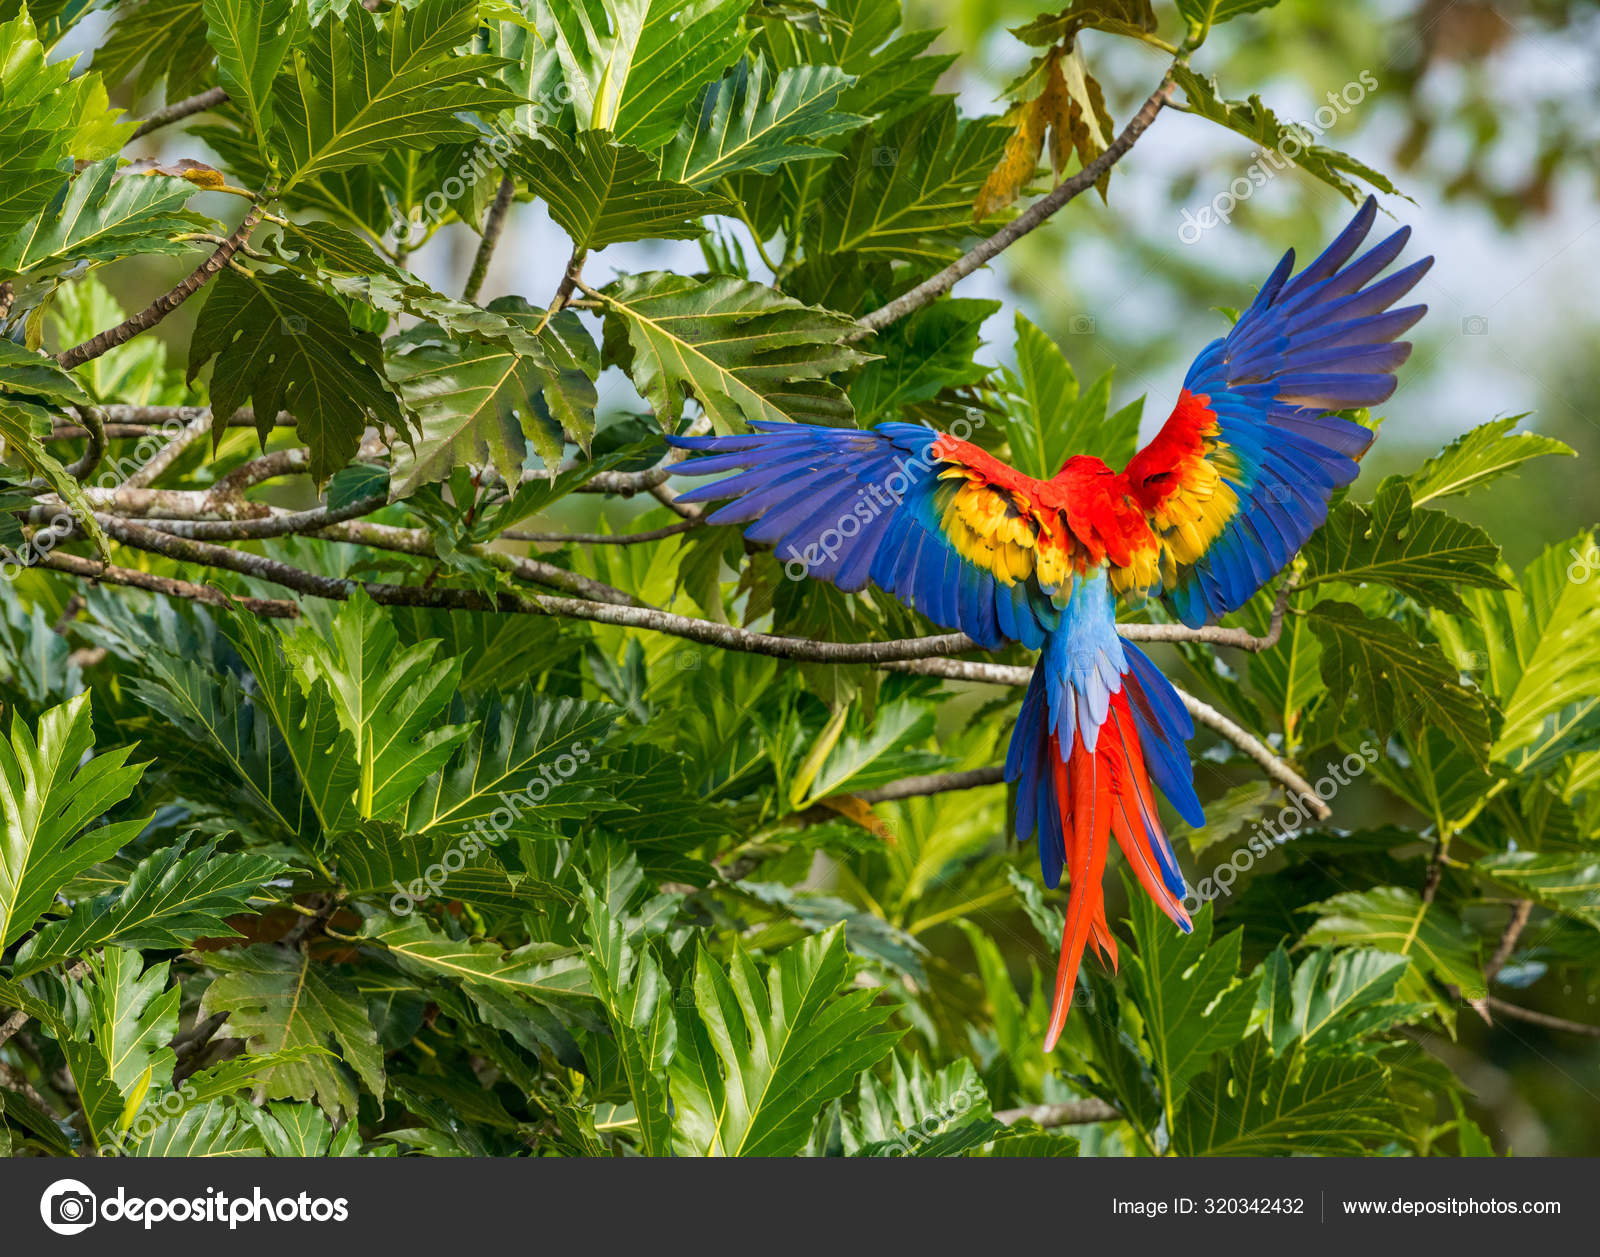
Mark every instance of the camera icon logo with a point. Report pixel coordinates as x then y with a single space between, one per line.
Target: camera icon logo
67 1207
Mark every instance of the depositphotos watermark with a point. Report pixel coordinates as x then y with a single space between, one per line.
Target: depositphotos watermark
490 830
68 1207
1585 563
489 154
908 1139
872 500
1278 831
1270 162
151 1119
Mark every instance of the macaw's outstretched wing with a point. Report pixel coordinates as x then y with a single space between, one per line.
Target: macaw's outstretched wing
935 521
1241 473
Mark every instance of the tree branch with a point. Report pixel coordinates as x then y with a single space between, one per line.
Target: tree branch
1541 1019
493 224
198 103
110 574
1071 1113
166 303
601 538
1508 940
931 289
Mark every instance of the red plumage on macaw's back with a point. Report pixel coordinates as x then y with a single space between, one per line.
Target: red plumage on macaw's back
1203 516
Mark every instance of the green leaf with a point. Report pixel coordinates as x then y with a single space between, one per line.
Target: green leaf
1393 680
601 192
219 1128
322 755
531 992
347 265
30 385
1187 990
1253 1106
1124 17
49 796
920 1114
481 402
637 999
281 344
302 1130
361 87
388 698
252 38
544 972
535 752
1208 13
1426 555
1258 124
740 349
1396 920
165 40
1046 419
753 121
120 1022
633 66
1535 648
1489 451
100 218
1569 882
921 356
1334 1000
48 117
905 191
278 999
171 899
756 1061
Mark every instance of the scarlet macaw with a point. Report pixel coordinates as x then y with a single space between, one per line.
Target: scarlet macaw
1203 516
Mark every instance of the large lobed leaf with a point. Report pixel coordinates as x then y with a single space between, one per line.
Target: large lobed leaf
362 86
756 1060
281 344
740 349
50 794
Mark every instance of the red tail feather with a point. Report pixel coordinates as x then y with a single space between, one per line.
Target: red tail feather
1101 793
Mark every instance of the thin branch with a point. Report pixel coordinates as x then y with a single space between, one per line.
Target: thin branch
1508 940
94 424
934 783
163 458
110 574
931 289
563 293
163 305
1541 1019
663 493
286 462
274 524
535 571
601 538
492 227
1070 1113
906 788
198 103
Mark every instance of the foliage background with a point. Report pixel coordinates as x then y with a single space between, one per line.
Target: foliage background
534 1012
